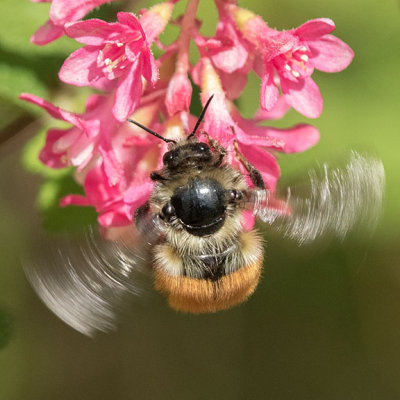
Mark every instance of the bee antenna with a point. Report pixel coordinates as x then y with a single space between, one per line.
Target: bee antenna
203 112
151 132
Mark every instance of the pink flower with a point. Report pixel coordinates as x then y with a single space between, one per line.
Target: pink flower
289 59
232 53
113 161
228 51
115 204
246 138
114 51
179 93
64 147
89 136
290 140
61 12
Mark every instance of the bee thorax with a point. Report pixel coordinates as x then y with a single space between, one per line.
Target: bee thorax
200 206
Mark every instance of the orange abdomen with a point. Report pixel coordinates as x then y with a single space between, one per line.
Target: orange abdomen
196 295
206 296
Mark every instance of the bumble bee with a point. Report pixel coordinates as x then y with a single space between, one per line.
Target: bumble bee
189 233
203 260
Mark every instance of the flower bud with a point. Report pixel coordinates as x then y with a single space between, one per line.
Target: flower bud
210 81
242 16
179 93
251 25
156 18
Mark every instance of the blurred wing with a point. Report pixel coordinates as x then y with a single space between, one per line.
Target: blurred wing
333 201
85 281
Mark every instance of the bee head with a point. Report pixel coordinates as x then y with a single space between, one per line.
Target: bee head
188 153
191 137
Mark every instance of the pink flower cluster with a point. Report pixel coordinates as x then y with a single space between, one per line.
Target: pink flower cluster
113 158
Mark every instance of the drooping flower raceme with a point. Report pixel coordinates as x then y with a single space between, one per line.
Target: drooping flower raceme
289 58
247 138
114 159
101 150
117 51
116 54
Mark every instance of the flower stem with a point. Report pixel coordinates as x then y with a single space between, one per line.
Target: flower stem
189 19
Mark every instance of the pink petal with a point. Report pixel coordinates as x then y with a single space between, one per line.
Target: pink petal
112 168
262 140
231 59
264 162
315 28
54 111
269 92
233 83
92 127
92 32
137 194
130 20
153 22
80 68
64 142
276 43
304 96
296 139
104 84
218 122
47 33
94 101
248 220
179 94
136 141
277 112
149 67
98 190
75 200
48 155
330 54
133 50
258 65
196 72
81 152
62 11
209 43
129 91
115 217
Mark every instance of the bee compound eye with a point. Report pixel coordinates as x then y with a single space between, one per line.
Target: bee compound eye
168 157
167 212
202 147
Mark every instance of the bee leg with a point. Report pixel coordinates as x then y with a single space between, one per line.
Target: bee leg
147 225
157 176
255 176
140 214
217 148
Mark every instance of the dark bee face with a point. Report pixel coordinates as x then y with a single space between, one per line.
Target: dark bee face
200 206
191 154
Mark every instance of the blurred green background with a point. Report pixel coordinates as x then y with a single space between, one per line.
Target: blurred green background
325 320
